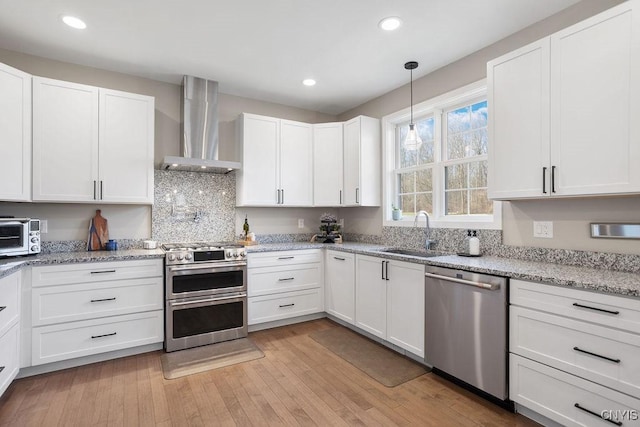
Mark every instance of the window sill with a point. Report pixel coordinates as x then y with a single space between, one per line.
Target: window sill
475 224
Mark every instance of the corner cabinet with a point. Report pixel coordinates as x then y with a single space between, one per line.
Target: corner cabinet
561 112
15 134
277 162
362 157
91 144
390 301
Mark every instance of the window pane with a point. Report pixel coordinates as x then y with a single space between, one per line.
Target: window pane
424 202
458 120
479 203
455 176
477 142
408 204
424 180
478 174
407 182
456 202
479 115
426 131
408 155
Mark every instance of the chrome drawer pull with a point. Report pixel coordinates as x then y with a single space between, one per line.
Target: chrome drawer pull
103 271
286 279
103 299
286 257
287 305
575 304
596 355
595 414
102 336
339 259
3 307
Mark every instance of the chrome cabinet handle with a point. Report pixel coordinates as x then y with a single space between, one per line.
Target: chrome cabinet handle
282 202
95 193
103 299
595 414
340 196
286 279
357 195
103 271
575 304
103 335
481 285
286 305
596 355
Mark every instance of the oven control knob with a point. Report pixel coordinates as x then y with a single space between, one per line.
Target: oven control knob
188 257
229 254
172 257
34 239
243 254
180 257
34 248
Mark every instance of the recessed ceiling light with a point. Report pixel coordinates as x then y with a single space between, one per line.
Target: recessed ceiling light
74 22
308 82
390 23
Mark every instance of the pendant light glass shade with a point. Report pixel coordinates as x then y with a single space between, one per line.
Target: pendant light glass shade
412 140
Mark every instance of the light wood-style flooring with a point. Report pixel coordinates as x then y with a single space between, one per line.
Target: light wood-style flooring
298 382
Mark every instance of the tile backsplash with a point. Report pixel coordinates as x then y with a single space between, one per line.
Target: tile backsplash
192 206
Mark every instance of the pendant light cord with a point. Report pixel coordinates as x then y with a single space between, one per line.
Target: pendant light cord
411 87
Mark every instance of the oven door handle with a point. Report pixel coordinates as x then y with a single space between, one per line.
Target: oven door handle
216 299
209 267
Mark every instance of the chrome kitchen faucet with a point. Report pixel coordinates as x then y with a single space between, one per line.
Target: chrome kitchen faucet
427 233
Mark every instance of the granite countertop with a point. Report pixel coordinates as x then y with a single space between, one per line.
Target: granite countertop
10 265
599 280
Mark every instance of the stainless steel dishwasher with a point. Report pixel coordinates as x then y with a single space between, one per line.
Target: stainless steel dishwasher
466 327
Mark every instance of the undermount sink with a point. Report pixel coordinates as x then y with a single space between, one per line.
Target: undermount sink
409 252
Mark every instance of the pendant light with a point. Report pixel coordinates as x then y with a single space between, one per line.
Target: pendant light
412 139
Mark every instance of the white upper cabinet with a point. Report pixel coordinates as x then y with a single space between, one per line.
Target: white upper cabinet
327 164
15 134
362 162
563 112
91 144
277 164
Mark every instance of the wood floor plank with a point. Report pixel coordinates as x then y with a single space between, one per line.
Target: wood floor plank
298 383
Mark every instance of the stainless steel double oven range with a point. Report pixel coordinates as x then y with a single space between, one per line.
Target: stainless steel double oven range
205 294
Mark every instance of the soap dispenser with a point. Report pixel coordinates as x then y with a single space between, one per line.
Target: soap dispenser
474 244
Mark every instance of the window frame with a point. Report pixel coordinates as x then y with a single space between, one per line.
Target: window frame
435 106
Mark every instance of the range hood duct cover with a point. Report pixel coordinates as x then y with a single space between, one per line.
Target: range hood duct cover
199 130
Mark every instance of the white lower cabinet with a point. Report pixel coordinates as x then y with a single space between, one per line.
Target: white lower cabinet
85 309
9 329
284 285
340 285
390 301
574 354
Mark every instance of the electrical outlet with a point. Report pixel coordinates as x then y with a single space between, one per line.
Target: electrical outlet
341 222
300 223
44 226
543 229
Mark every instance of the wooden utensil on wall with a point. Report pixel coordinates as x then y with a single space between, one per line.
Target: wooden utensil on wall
98 233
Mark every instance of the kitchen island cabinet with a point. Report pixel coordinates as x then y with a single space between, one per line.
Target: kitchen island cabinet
15 134
561 112
91 144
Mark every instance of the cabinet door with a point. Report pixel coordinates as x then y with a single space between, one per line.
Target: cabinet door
65 141
593 85
340 286
256 181
296 164
15 134
405 306
518 98
351 194
371 295
126 147
327 164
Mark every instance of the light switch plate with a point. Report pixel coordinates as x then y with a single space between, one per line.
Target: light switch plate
300 223
543 229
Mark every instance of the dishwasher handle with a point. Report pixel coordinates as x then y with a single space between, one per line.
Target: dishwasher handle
488 286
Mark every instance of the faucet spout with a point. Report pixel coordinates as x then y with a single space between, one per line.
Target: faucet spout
427 232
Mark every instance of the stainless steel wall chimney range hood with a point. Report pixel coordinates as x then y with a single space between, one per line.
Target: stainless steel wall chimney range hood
199 130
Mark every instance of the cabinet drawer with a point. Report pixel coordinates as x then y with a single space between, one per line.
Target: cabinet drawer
49 275
9 301
75 339
608 310
555 394
56 304
285 305
268 280
597 353
9 357
272 259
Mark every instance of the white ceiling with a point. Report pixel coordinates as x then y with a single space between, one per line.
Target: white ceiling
263 49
